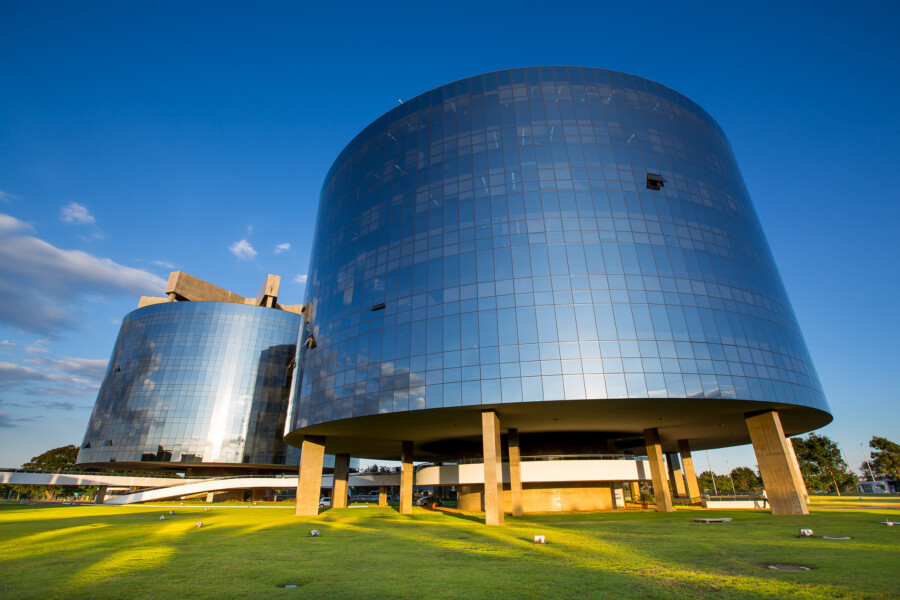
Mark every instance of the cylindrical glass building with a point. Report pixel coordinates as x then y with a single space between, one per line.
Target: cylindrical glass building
200 384
572 246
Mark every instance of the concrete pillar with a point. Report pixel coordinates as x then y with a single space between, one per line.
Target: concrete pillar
777 464
493 468
796 464
309 482
259 494
382 496
341 472
515 473
675 475
406 478
101 494
690 476
657 471
635 490
469 498
210 496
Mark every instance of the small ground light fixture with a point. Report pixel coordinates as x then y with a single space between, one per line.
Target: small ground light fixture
540 539
315 533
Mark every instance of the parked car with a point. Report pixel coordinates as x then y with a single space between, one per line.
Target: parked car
324 502
429 501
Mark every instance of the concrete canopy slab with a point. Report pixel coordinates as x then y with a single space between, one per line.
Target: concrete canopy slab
708 423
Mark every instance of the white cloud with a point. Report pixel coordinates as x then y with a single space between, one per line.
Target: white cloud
5 196
76 213
9 224
51 282
12 373
163 264
243 250
301 279
6 345
282 248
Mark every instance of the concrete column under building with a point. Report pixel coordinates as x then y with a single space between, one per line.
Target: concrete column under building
309 482
339 487
382 496
690 476
777 464
515 472
675 475
406 478
101 494
796 464
658 471
210 497
493 468
259 494
635 491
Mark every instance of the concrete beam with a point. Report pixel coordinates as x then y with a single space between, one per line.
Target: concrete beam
341 472
406 478
675 475
309 481
187 287
777 464
515 472
493 471
690 476
658 471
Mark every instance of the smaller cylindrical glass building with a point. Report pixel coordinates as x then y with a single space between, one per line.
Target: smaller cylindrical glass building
196 382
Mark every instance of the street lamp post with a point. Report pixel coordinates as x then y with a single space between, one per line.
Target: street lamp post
866 458
711 474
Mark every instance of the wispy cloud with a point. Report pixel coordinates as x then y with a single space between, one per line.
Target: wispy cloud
8 421
5 196
163 264
52 282
301 279
77 214
282 248
12 373
243 250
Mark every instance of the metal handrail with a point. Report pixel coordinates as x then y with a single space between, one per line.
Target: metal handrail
90 473
540 457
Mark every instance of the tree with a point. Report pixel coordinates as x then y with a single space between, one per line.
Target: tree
745 479
57 459
821 464
722 483
885 460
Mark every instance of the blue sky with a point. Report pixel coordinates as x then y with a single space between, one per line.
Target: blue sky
138 138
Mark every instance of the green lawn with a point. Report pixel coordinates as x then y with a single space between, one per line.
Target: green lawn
126 552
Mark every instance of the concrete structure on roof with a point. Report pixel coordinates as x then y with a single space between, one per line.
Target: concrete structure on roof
547 261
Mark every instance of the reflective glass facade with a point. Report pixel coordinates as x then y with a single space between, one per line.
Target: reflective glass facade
197 382
496 240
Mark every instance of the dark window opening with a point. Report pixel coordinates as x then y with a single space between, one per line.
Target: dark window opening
86 445
310 342
378 307
654 181
117 369
108 443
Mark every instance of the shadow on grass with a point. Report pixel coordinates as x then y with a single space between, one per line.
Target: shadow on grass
378 552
